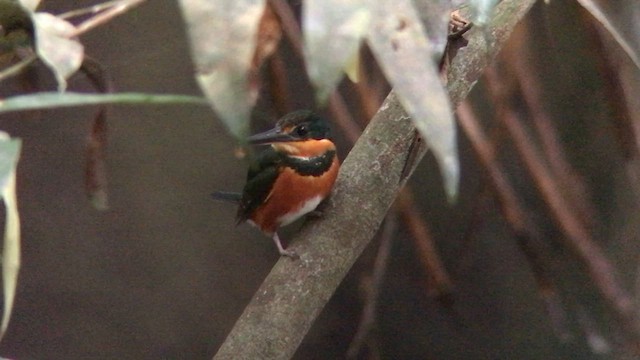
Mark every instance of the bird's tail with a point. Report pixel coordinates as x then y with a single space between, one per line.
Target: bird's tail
232 197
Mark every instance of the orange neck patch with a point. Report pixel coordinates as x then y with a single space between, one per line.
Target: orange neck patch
308 148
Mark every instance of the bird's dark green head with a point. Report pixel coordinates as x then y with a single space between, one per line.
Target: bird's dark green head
301 125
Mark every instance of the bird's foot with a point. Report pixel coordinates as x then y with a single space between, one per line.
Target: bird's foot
283 252
289 253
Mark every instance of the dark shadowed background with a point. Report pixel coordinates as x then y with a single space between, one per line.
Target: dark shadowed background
164 273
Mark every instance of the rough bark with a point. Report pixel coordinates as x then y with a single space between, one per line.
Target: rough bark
293 294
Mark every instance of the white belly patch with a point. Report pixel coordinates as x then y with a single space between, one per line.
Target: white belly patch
307 207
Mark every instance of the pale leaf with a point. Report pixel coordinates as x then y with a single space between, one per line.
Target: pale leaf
57 47
352 67
400 44
223 35
30 4
482 11
622 19
9 153
333 30
435 16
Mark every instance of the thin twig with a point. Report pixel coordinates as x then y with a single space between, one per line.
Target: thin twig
279 316
105 16
278 84
518 59
424 245
368 318
486 153
96 182
17 68
340 111
90 9
462 259
620 79
289 24
577 238
524 230
595 339
622 83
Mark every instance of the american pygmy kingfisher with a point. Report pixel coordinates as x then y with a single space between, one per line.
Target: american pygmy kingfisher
289 178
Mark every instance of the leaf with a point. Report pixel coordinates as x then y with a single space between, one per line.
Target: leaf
9 153
400 45
481 11
30 4
333 30
620 18
43 100
435 16
56 46
223 35
352 67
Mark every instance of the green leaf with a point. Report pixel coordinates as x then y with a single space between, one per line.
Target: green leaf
333 30
400 44
223 36
57 47
45 100
9 154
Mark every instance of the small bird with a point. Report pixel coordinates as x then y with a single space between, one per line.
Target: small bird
289 178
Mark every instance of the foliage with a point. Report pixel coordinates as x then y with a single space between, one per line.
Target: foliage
333 33
407 45
28 35
9 153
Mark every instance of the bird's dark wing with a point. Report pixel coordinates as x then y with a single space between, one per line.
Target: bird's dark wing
263 172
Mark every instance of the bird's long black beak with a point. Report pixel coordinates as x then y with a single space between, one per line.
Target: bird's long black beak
271 136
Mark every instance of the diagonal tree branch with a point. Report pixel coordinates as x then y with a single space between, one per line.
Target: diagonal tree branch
293 294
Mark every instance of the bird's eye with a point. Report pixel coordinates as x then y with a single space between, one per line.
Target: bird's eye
302 130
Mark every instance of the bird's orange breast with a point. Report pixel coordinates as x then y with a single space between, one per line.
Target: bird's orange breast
290 193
